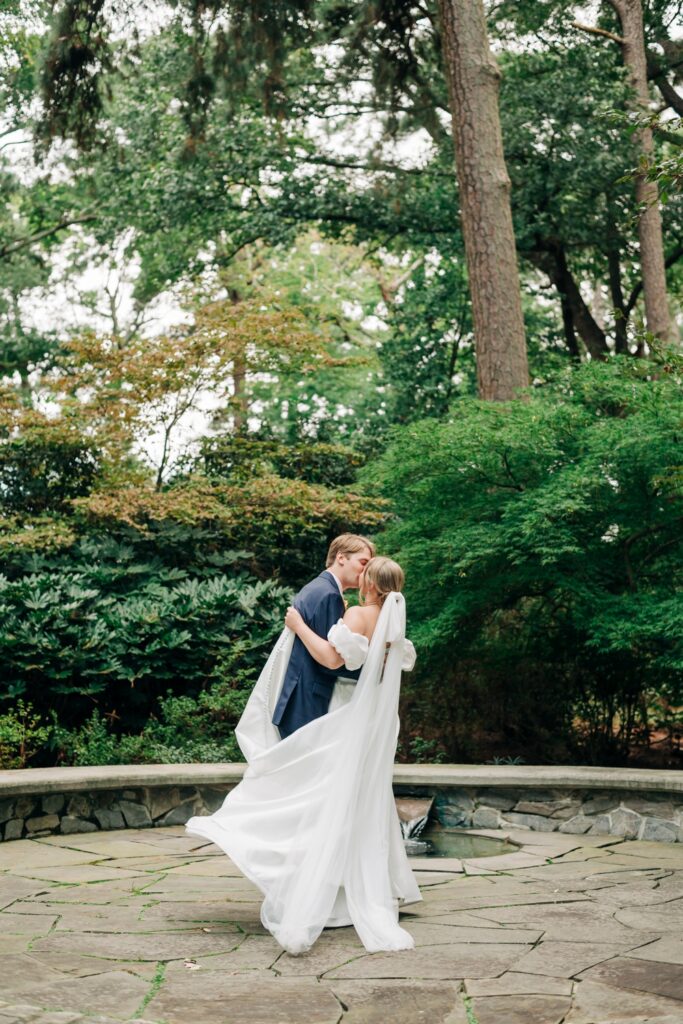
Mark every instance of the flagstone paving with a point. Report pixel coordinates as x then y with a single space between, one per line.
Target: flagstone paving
152 927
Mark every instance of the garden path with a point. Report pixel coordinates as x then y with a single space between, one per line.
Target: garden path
145 926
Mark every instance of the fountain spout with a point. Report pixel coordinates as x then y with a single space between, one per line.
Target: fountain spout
413 814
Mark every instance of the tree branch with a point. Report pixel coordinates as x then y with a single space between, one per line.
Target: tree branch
666 136
23 243
592 30
655 71
550 257
377 167
18 142
667 90
389 289
508 470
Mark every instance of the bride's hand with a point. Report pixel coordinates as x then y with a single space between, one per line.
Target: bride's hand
293 619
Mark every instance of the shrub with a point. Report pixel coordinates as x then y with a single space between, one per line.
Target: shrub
543 548
184 730
44 463
239 457
112 633
286 524
118 600
21 736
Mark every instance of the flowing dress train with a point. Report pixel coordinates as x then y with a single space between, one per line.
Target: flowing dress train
313 823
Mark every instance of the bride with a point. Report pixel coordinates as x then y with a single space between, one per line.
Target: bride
313 823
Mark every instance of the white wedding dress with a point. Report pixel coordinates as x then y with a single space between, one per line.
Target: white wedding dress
313 823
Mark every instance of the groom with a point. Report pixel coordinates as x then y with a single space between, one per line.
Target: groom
307 686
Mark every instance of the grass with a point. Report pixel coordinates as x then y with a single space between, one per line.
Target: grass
157 982
471 1016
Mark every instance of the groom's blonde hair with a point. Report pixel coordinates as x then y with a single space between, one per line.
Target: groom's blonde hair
348 544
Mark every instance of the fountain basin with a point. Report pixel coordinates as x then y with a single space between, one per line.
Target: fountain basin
451 843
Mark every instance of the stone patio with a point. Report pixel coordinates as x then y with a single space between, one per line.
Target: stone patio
151 926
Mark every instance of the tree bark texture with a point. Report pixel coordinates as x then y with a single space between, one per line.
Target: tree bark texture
657 317
484 185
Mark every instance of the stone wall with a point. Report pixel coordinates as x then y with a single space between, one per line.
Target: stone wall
639 804
66 813
635 815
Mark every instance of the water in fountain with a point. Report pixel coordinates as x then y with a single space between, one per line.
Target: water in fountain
413 814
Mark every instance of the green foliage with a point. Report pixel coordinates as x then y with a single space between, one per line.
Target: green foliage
185 729
337 291
77 56
131 613
428 356
542 542
286 524
242 457
562 187
423 751
667 169
100 629
21 736
328 302
41 474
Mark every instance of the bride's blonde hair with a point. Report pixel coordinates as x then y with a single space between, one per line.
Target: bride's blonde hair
385 575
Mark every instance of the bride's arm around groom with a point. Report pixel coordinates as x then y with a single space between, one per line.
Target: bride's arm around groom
308 684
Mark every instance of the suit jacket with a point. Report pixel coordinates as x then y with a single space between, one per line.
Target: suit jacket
308 685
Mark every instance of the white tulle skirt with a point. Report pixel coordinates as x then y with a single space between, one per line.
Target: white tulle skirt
313 823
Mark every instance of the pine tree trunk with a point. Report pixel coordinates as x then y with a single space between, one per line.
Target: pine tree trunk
473 78
657 316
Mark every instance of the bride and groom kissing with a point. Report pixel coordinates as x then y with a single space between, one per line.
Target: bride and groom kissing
313 824
329 637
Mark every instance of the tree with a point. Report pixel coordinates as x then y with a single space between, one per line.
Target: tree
189 189
630 14
473 77
37 210
594 84
140 390
75 102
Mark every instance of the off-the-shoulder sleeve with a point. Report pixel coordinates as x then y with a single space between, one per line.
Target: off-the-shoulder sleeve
409 656
353 647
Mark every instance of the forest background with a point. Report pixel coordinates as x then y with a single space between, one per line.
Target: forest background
236 319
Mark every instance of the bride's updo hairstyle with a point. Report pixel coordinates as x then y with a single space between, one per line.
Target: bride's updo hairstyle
385 575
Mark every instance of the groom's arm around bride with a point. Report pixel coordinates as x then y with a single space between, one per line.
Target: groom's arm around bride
307 686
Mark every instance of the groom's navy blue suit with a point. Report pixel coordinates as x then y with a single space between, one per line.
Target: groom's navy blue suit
307 686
